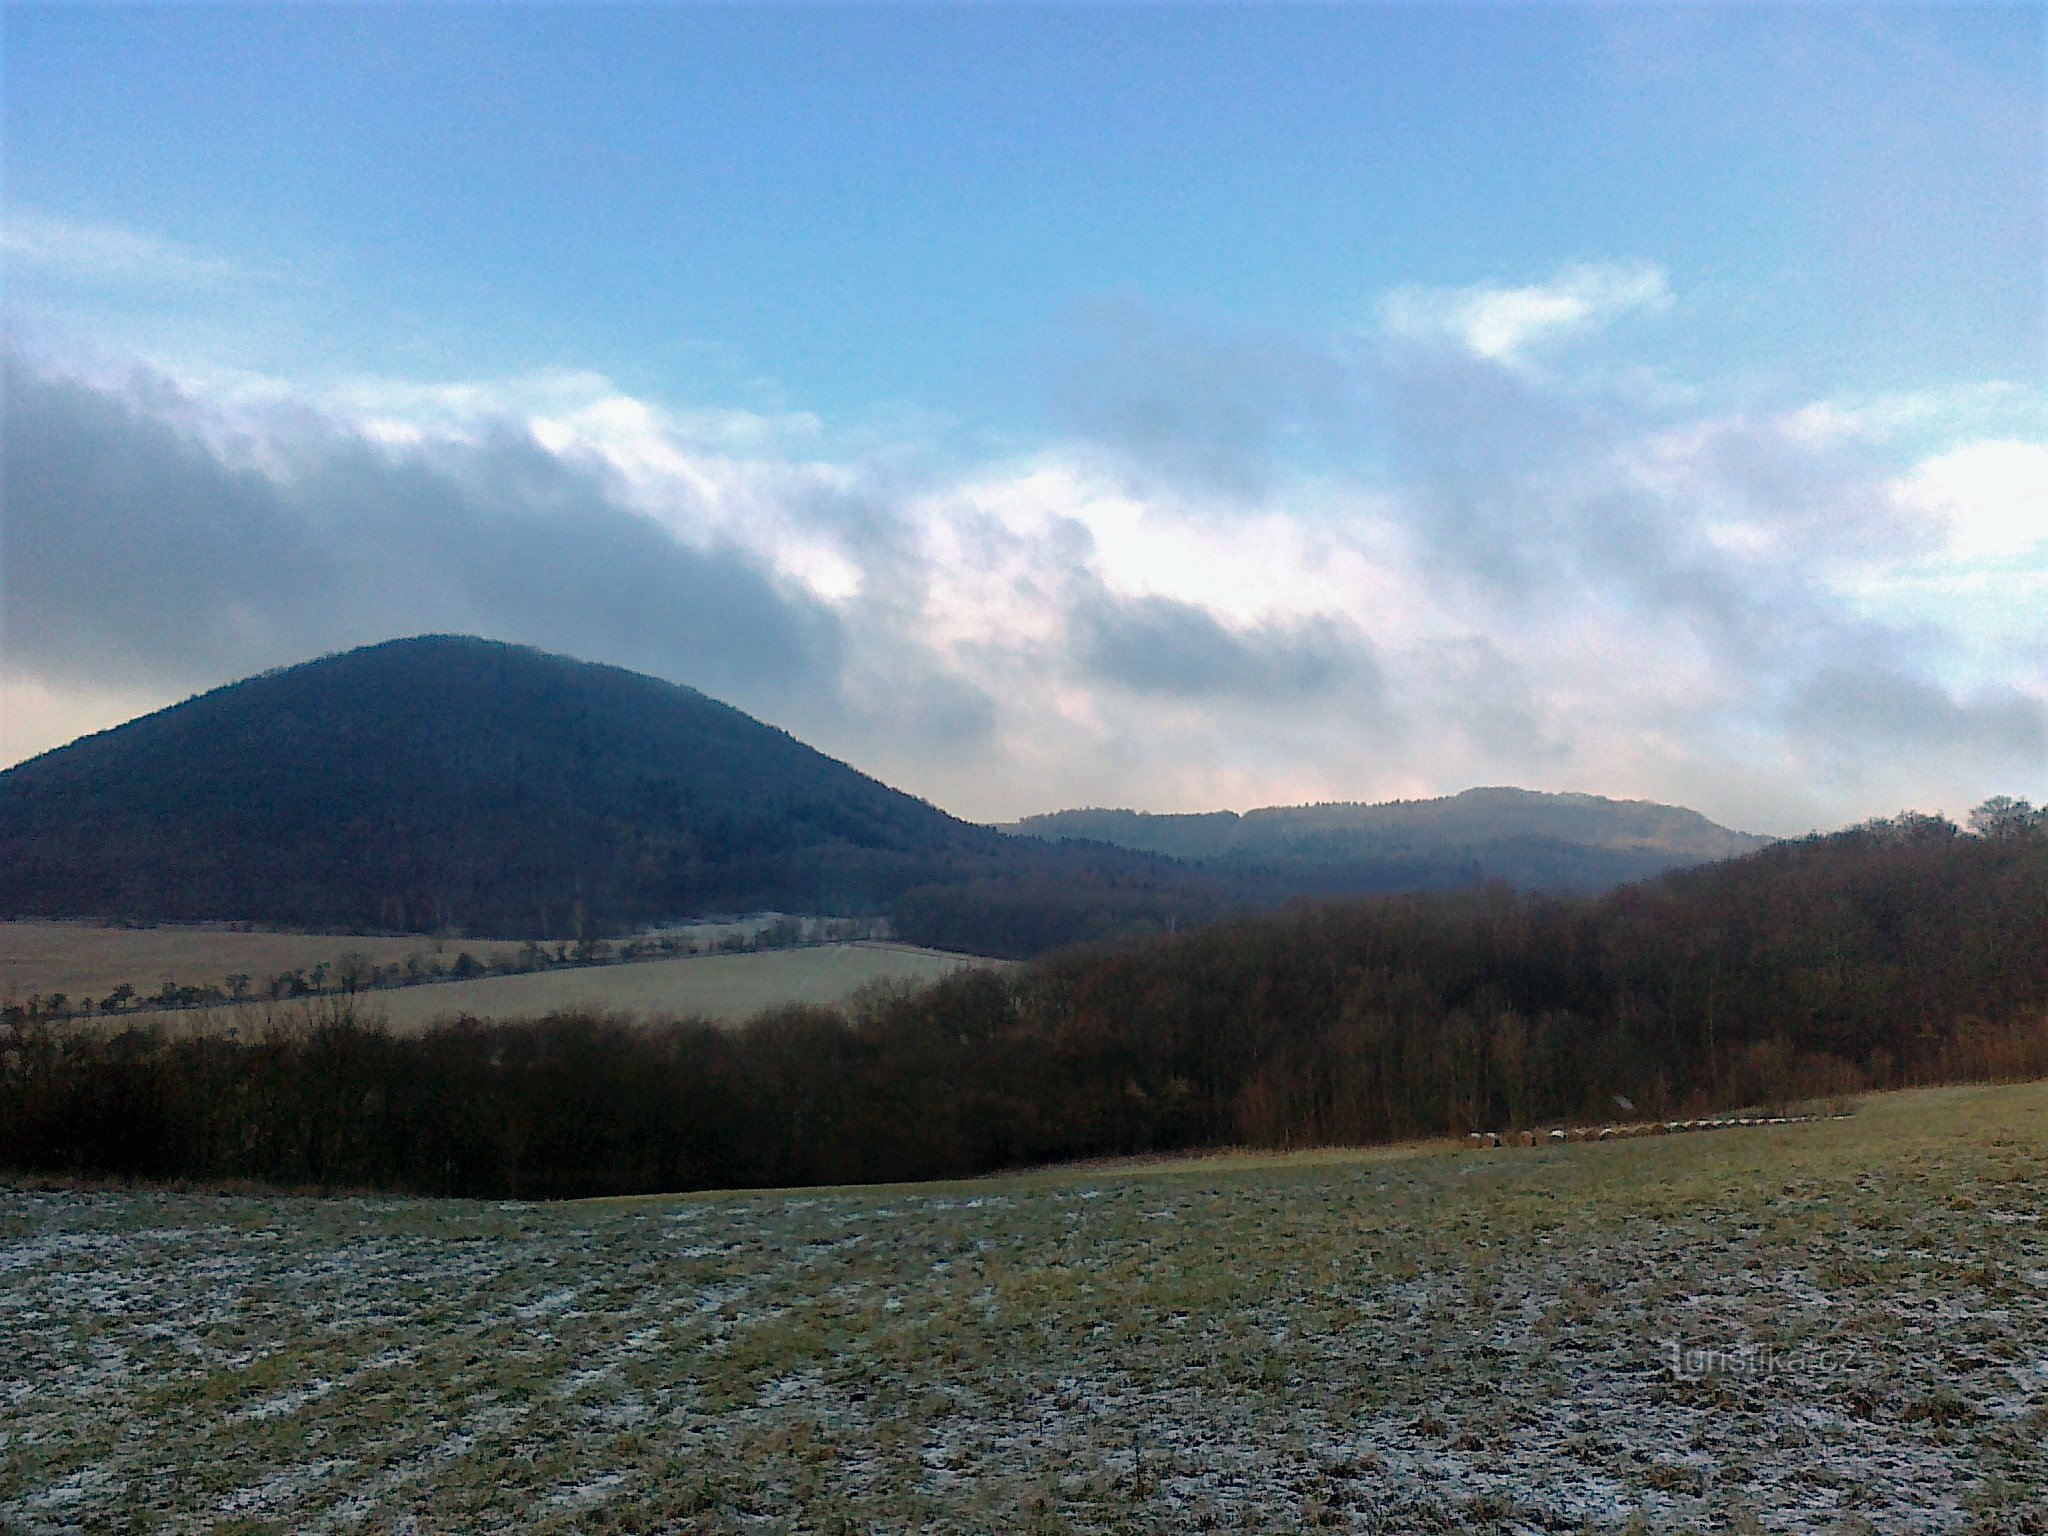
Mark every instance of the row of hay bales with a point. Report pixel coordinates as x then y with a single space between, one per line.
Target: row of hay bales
1558 1135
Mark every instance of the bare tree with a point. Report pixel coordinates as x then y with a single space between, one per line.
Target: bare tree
353 971
2002 816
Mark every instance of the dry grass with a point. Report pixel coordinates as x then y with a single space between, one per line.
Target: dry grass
728 988
1409 1340
90 960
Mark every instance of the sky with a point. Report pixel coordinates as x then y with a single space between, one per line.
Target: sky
1169 407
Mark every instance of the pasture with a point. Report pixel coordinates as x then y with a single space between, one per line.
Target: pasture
1832 1326
91 959
724 988
88 960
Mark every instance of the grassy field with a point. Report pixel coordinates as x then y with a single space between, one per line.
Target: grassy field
1840 1326
88 960
723 987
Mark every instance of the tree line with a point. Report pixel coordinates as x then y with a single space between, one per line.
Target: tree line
1904 951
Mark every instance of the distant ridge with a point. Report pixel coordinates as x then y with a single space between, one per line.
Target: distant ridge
1524 837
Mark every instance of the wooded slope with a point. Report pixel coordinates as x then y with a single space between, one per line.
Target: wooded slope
1899 953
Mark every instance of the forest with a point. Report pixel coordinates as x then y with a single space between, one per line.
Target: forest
1904 951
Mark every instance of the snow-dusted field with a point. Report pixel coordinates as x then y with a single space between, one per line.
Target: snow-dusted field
1837 1326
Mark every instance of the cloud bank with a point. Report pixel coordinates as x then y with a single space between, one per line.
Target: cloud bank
1250 569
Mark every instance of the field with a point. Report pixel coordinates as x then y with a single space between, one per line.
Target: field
84 960
723 987
89 960
1838 1326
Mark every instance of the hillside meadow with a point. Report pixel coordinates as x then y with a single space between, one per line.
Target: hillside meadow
79 961
1836 1326
724 988
84 959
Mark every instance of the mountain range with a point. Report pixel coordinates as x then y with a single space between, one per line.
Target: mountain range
1517 836
447 783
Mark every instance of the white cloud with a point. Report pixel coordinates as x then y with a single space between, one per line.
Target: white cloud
1990 498
563 407
1997 404
1503 324
76 250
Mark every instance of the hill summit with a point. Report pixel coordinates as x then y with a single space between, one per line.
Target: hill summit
449 782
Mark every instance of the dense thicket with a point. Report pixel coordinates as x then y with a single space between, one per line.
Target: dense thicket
1897 953
446 784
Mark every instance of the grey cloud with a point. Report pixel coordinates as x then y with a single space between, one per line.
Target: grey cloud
1160 646
1482 450
894 684
1472 686
136 554
1853 711
1213 410
1532 497
918 706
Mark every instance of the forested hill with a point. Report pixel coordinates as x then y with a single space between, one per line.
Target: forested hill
446 783
1517 836
443 781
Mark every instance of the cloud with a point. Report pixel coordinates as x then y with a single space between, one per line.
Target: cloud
1990 498
1730 528
1504 324
71 249
1753 590
137 552
1202 408
1160 645
1774 615
1854 712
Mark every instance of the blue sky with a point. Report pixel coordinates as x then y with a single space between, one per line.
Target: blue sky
872 207
975 337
